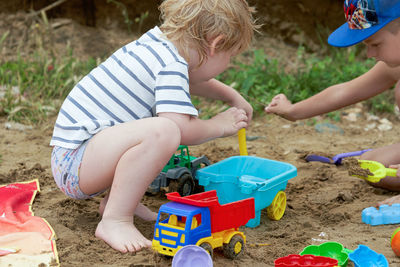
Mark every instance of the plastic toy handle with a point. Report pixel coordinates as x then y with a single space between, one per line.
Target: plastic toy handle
349 154
391 172
313 157
242 142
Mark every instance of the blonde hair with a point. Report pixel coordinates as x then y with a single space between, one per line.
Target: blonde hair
193 23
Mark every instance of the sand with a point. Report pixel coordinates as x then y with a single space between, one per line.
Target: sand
324 203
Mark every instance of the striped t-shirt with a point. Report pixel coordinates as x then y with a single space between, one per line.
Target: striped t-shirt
140 80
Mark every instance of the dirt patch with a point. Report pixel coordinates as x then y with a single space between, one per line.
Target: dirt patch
323 201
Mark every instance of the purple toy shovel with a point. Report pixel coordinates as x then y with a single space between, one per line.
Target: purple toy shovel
337 159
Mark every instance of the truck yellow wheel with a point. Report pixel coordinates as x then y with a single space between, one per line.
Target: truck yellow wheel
207 247
235 247
277 208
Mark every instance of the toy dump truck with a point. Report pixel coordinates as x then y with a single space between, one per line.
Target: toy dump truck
179 173
200 220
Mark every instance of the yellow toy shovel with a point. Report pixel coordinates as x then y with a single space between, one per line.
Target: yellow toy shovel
242 142
378 170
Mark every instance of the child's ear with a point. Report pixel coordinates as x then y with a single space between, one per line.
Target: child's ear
214 43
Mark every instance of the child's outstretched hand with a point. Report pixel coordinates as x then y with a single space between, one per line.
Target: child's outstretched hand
231 121
281 106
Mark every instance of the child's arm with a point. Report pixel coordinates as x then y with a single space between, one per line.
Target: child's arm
217 90
378 79
195 131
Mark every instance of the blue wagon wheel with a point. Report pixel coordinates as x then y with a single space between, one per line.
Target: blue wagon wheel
277 208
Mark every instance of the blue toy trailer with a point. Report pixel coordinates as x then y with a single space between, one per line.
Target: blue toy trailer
241 177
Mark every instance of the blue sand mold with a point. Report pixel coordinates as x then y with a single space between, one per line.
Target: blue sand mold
363 256
385 215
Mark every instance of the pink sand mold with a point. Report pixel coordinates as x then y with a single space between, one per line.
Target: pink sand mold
384 215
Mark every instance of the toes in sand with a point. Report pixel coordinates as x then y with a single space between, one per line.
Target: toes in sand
122 236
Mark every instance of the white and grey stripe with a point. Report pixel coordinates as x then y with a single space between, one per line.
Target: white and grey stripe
144 76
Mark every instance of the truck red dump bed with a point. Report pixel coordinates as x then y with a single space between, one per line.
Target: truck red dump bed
230 215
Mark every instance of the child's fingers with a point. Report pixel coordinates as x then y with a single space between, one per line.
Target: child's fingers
240 112
274 102
243 116
241 124
277 97
267 108
395 166
270 107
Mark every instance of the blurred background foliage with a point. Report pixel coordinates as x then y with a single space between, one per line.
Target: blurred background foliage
48 46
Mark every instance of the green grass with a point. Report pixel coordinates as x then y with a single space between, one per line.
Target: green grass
34 88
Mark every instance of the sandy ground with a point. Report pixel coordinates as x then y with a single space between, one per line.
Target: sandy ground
323 198
324 202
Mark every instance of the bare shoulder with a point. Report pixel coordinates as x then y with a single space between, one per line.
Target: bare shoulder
378 79
396 73
383 72
392 72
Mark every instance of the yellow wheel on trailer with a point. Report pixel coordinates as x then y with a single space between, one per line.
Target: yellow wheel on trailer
277 208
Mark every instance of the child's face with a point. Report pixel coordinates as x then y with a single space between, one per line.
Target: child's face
384 46
211 67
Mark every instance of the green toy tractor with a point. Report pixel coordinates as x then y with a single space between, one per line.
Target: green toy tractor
179 173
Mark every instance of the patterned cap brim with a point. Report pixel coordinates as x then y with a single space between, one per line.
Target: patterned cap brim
344 36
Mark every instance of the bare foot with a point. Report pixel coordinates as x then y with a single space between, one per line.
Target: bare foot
390 201
141 210
145 213
121 235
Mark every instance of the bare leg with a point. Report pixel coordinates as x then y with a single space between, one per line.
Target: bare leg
126 157
397 93
395 199
141 210
103 204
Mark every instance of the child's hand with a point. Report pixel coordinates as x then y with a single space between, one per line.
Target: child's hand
396 166
281 106
231 121
241 103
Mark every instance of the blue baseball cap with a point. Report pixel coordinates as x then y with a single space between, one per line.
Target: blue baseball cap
364 18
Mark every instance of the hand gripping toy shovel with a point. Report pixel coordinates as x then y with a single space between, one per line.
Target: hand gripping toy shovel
337 159
378 170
